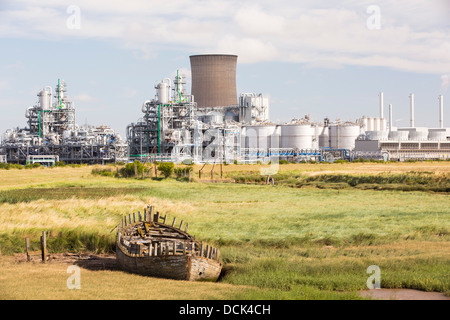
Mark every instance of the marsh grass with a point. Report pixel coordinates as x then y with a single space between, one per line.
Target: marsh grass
409 181
277 241
422 266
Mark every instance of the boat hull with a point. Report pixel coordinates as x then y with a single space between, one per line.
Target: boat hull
177 267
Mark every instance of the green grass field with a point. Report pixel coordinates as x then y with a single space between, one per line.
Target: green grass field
277 242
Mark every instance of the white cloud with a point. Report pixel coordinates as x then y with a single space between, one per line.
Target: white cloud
414 34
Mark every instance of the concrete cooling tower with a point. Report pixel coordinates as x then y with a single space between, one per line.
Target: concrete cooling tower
214 80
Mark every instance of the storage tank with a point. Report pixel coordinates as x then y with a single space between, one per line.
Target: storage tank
214 80
398 135
418 135
377 135
44 99
437 134
343 135
297 136
163 92
324 138
317 131
370 124
261 136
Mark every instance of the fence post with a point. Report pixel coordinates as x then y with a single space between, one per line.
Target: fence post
44 246
27 245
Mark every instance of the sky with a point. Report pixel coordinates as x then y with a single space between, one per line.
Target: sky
318 58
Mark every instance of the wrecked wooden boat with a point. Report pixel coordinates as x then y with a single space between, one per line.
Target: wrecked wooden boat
147 245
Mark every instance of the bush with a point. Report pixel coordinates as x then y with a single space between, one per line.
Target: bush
132 169
60 164
103 172
183 172
32 165
8 166
166 168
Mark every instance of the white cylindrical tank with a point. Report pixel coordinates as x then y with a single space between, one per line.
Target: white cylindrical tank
370 124
377 135
163 92
376 124
260 136
317 132
44 99
398 135
343 136
324 138
418 135
297 136
383 123
437 134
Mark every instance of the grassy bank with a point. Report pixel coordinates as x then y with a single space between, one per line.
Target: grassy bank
277 242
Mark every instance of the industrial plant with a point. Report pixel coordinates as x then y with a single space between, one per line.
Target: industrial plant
52 135
213 124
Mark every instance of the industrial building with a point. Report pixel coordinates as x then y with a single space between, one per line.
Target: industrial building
213 124
405 143
52 135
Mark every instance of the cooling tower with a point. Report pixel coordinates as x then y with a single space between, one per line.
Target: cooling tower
214 80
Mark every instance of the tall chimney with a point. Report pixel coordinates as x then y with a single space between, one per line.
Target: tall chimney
381 105
441 111
412 110
390 117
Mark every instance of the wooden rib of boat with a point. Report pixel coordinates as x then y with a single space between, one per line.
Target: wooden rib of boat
147 245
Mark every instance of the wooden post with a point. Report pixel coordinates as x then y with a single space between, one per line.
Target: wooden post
129 218
201 249
184 247
173 223
181 223
134 217
165 217
160 251
185 229
44 246
27 245
174 248
150 215
145 214
166 246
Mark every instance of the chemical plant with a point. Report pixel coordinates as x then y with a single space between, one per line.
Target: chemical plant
213 124
52 135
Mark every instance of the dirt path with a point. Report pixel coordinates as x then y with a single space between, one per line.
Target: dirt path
402 294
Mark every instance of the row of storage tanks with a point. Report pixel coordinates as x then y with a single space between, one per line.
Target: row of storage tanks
335 136
300 136
377 129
